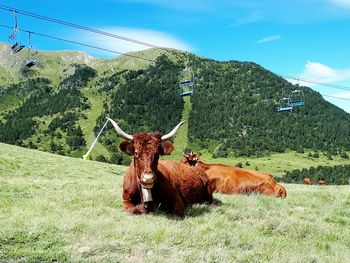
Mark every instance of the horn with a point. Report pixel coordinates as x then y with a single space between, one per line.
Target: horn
119 131
172 133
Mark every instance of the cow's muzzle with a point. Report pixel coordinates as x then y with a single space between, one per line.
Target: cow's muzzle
147 180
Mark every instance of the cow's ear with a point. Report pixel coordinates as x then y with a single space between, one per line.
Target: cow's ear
127 147
167 148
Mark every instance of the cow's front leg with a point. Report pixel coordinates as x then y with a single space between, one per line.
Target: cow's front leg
132 203
134 209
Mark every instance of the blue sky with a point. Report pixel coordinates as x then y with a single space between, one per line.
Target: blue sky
304 38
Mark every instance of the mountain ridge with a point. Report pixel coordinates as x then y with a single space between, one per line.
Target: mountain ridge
143 95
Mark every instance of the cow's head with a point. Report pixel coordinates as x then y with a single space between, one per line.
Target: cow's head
191 158
146 149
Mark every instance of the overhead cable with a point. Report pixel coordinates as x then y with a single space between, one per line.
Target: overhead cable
96 31
335 97
335 86
82 44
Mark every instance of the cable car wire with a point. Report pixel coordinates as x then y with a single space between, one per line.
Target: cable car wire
82 44
335 86
96 31
335 97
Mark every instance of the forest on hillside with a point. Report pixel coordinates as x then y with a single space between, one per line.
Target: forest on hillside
233 109
242 100
42 105
147 100
141 100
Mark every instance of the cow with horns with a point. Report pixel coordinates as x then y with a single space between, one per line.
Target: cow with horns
150 183
227 179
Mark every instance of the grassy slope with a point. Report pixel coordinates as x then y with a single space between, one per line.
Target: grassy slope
180 140
51 65
69 210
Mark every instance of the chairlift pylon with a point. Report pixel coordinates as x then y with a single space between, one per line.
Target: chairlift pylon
187 82
15 36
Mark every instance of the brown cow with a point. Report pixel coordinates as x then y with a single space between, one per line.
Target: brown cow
322 182
307 181
167 185
234 180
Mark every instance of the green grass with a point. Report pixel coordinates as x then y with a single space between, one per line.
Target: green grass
60 209
277 163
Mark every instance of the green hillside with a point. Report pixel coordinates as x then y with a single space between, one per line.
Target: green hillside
60 209
243 119
59 106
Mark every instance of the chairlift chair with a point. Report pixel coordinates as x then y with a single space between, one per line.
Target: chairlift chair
297 98
284 105
31 61
15 36
187 82
186 93
15 48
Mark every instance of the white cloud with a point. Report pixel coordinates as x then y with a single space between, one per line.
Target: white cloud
252 17
156 38
268 39
343 3
318 72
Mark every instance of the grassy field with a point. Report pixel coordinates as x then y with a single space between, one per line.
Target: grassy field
277 163
59 209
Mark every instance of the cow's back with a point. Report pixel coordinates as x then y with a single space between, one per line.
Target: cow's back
234 180
238 175
191 183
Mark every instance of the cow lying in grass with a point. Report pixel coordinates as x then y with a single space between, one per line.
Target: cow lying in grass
322 182
307 180
149 183
227 179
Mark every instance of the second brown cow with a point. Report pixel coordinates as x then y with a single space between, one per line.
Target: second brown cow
227 179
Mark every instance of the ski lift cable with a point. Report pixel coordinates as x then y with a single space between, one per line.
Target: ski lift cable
335 97
315 82
53 20
138 57
82 44
96 31
18 11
